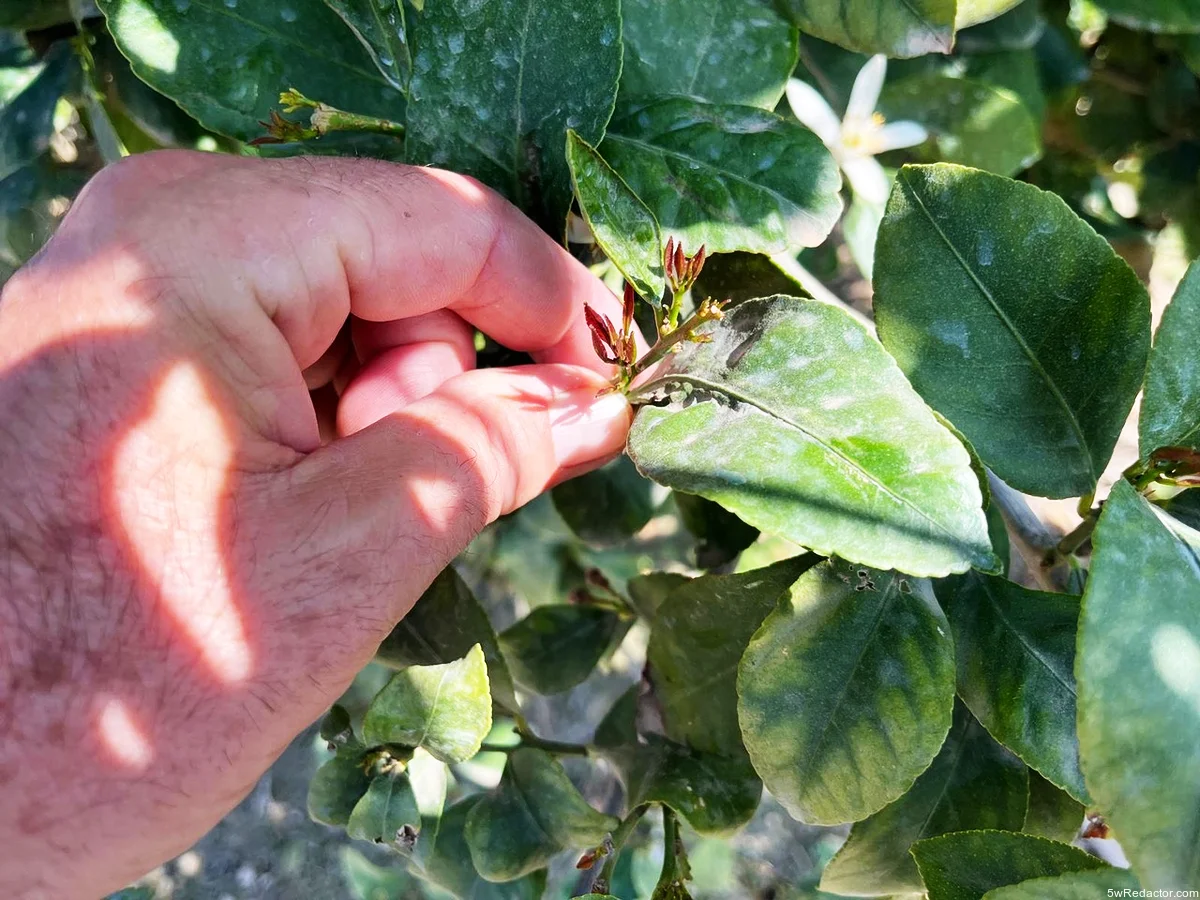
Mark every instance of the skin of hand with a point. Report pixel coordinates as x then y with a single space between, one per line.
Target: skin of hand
189 573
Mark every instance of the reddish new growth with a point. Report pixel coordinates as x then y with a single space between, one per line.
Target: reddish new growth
681 270
612 346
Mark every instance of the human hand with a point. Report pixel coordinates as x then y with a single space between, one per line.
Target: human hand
189 577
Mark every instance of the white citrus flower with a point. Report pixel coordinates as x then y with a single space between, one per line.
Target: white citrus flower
863 133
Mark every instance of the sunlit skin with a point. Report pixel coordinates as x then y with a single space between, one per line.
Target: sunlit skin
190 572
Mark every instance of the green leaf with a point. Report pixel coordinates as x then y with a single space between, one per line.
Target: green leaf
1072 886
388 805
973 12
445 709
32 15
556 647
448 864
893 27
797 421
27 120
716 794
728 177
379 24
1015 650
534 813
1139 691
608 505
696 642
226 63
624 228
1171 16
972 783
1017 29
1185 507
722 51
977 275
966 865
721 535
1170 415
648 591
335 727
972 123
496 85
1053 813
845 693
336 788
443 625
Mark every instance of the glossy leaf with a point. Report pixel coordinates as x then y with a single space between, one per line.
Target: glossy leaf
336 788
379 24
722 51
448 864
845 692
972 783
27 120
1053 813
1171 16
976 274
1170 415
533 814
968 864
607 505
556 647
1016 650
893 27
744 276
443 625
226 63
716 794
388 805
972 123
973 12
1017 29
624 228
797 421
696 642
496 85
1072 886
728 177
720 535
444 709
1139 702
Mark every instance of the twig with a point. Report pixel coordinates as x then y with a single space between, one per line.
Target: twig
603 882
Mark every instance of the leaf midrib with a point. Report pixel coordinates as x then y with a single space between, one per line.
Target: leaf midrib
833 451
1029 648
1009 324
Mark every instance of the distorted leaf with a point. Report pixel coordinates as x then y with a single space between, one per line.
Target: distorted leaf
1139 714
448 865
1053 813
444 709
845 692
336 788
976 274
388 805
648 591
720 535
797 421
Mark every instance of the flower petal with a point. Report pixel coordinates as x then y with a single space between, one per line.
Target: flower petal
867 179
867 85
814 113
897 135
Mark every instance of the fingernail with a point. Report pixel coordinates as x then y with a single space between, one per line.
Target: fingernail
586 427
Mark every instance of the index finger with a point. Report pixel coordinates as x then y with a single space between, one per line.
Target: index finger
314 239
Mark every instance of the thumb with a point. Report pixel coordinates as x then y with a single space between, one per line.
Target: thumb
415 487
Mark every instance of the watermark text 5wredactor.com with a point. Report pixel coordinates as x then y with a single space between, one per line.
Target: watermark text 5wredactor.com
1143 892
